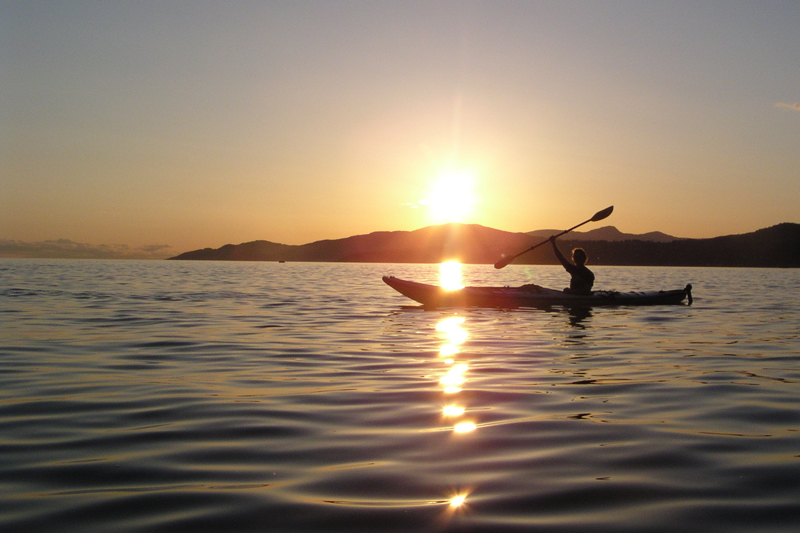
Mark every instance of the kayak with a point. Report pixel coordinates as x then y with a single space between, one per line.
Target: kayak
529 296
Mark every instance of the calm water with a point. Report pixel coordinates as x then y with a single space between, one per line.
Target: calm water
167 396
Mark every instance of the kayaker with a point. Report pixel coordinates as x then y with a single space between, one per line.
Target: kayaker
582 278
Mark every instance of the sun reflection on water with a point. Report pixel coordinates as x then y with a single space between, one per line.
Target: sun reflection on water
454 377
458 501
450 276
453 334
453 410
465 427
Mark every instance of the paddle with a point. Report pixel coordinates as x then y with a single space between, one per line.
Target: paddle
600 215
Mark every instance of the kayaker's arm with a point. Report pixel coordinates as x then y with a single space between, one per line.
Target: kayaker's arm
560 257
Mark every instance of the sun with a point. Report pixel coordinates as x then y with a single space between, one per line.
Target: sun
451 197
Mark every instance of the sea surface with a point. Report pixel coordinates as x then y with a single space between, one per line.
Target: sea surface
155 396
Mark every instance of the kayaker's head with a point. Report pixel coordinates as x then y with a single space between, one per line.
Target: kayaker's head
579 256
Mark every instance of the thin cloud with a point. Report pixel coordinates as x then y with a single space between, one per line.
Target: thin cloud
796 107
67 249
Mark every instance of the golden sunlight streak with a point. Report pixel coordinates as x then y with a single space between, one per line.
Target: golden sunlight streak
451 327
465 427
453 410
459 369
458 501
452 197
454 336
448 350
454 378
450 276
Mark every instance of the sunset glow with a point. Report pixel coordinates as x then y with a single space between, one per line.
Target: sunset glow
136 130
452 197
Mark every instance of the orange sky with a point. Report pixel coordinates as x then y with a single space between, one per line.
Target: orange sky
196 124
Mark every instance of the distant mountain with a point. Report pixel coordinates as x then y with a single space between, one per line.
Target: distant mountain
777 246
606 233
67 249
470 243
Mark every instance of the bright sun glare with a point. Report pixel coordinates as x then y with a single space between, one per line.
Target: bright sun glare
450 276
457 501
452 197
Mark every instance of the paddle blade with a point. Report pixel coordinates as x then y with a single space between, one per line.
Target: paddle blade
504 261
600 215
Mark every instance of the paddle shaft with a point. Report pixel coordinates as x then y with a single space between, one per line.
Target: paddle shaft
600 215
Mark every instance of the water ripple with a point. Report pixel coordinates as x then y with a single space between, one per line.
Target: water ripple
167 396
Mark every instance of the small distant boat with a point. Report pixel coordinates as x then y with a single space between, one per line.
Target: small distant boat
529 296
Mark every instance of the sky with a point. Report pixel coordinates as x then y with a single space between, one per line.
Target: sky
172 126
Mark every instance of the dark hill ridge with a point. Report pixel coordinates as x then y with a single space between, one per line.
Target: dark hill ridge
606 233
777 246
470 243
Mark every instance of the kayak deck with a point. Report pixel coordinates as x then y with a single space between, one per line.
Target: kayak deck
529 296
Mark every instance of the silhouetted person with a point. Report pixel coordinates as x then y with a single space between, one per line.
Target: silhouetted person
582 278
